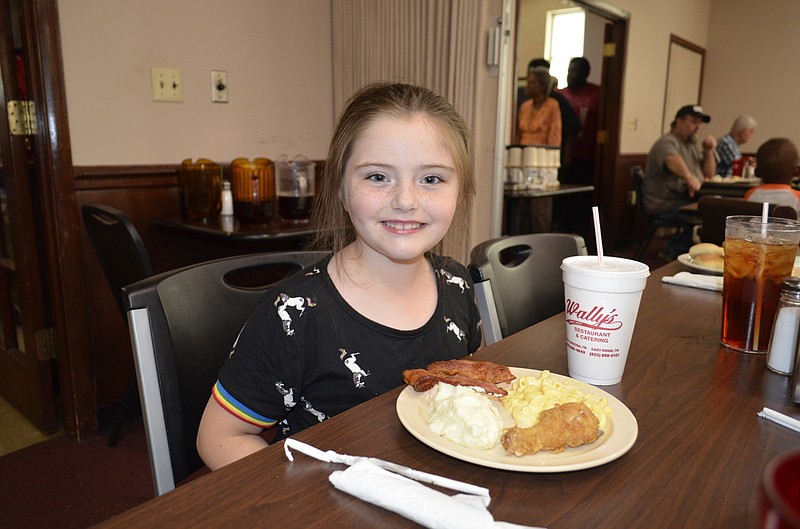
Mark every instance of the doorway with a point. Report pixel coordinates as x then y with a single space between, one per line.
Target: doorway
45 369
609 54
26 356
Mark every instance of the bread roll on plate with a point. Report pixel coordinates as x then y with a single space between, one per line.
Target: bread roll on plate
711 260
704 248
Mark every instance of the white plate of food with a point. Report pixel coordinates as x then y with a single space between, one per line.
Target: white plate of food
687 260
717 179
618 436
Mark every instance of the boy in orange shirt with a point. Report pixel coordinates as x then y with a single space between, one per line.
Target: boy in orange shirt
777 163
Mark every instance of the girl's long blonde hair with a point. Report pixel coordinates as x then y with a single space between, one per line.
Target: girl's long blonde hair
334 230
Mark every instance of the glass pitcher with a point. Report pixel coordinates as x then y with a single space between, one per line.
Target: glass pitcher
295 187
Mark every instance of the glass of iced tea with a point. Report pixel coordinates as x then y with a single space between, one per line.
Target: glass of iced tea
758 257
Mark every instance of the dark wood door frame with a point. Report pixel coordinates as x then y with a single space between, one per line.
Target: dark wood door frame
611 189
60 237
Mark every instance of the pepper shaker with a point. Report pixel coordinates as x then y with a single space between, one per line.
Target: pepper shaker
783 343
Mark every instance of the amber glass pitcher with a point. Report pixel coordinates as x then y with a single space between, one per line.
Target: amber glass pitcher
200 189
253 186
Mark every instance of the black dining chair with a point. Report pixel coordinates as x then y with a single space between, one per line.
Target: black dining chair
653 222
183 324
124 260
517 280
714 209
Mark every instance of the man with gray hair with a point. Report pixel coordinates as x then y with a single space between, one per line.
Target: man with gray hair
728 145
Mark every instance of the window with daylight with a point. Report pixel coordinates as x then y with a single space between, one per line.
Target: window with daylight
564 40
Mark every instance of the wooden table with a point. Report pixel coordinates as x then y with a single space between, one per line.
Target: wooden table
697 461
733 188
519 203
197 241
230 230
563 189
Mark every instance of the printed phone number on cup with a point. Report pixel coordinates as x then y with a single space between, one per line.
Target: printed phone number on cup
599 353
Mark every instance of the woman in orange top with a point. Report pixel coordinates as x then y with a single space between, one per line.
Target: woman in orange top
539 119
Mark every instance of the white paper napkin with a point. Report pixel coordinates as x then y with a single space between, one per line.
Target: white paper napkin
392 487
778 417
330 456
689 279
425 506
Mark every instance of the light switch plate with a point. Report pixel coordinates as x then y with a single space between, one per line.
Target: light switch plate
167 84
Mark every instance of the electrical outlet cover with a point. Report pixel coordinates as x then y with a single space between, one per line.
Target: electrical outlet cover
219 86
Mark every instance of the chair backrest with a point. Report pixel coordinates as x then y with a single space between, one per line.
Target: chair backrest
713 210
183 324
119 248
518 280
637 177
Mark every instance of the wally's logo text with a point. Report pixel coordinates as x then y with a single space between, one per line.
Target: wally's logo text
594 318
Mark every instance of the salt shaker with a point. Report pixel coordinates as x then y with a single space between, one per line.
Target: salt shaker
227 199
782 352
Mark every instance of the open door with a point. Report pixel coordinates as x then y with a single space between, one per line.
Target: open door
610 192
684 78
26 335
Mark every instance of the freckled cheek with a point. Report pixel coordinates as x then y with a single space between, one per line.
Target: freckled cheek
443 207
366 203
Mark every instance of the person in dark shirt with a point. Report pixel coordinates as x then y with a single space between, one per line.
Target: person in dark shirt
398 185
574 214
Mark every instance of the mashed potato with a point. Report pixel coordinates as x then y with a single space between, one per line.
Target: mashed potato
530 395
465 416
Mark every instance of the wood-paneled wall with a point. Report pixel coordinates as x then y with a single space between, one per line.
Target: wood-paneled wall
149 193
145 194
625 223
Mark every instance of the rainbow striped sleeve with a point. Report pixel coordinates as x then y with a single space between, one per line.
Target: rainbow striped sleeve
236 408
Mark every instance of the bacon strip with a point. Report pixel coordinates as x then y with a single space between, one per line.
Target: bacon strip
488 371
423 380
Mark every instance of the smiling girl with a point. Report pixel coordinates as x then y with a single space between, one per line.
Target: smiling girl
398 185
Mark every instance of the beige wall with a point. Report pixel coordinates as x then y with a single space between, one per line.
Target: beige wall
531 29
752 67
277 55
650 25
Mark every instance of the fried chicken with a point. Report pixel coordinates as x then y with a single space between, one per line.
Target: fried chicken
567 425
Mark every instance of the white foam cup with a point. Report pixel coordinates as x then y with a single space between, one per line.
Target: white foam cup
601 307
514 157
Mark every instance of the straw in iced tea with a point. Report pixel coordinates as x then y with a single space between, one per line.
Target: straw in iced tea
754 272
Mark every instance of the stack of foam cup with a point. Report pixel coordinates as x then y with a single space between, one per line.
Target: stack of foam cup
530 167
553 163
602 302
514 165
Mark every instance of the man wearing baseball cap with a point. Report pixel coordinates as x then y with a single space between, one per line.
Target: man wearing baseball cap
677 165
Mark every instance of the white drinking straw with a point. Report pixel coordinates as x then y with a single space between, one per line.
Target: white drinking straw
759 275
598 237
